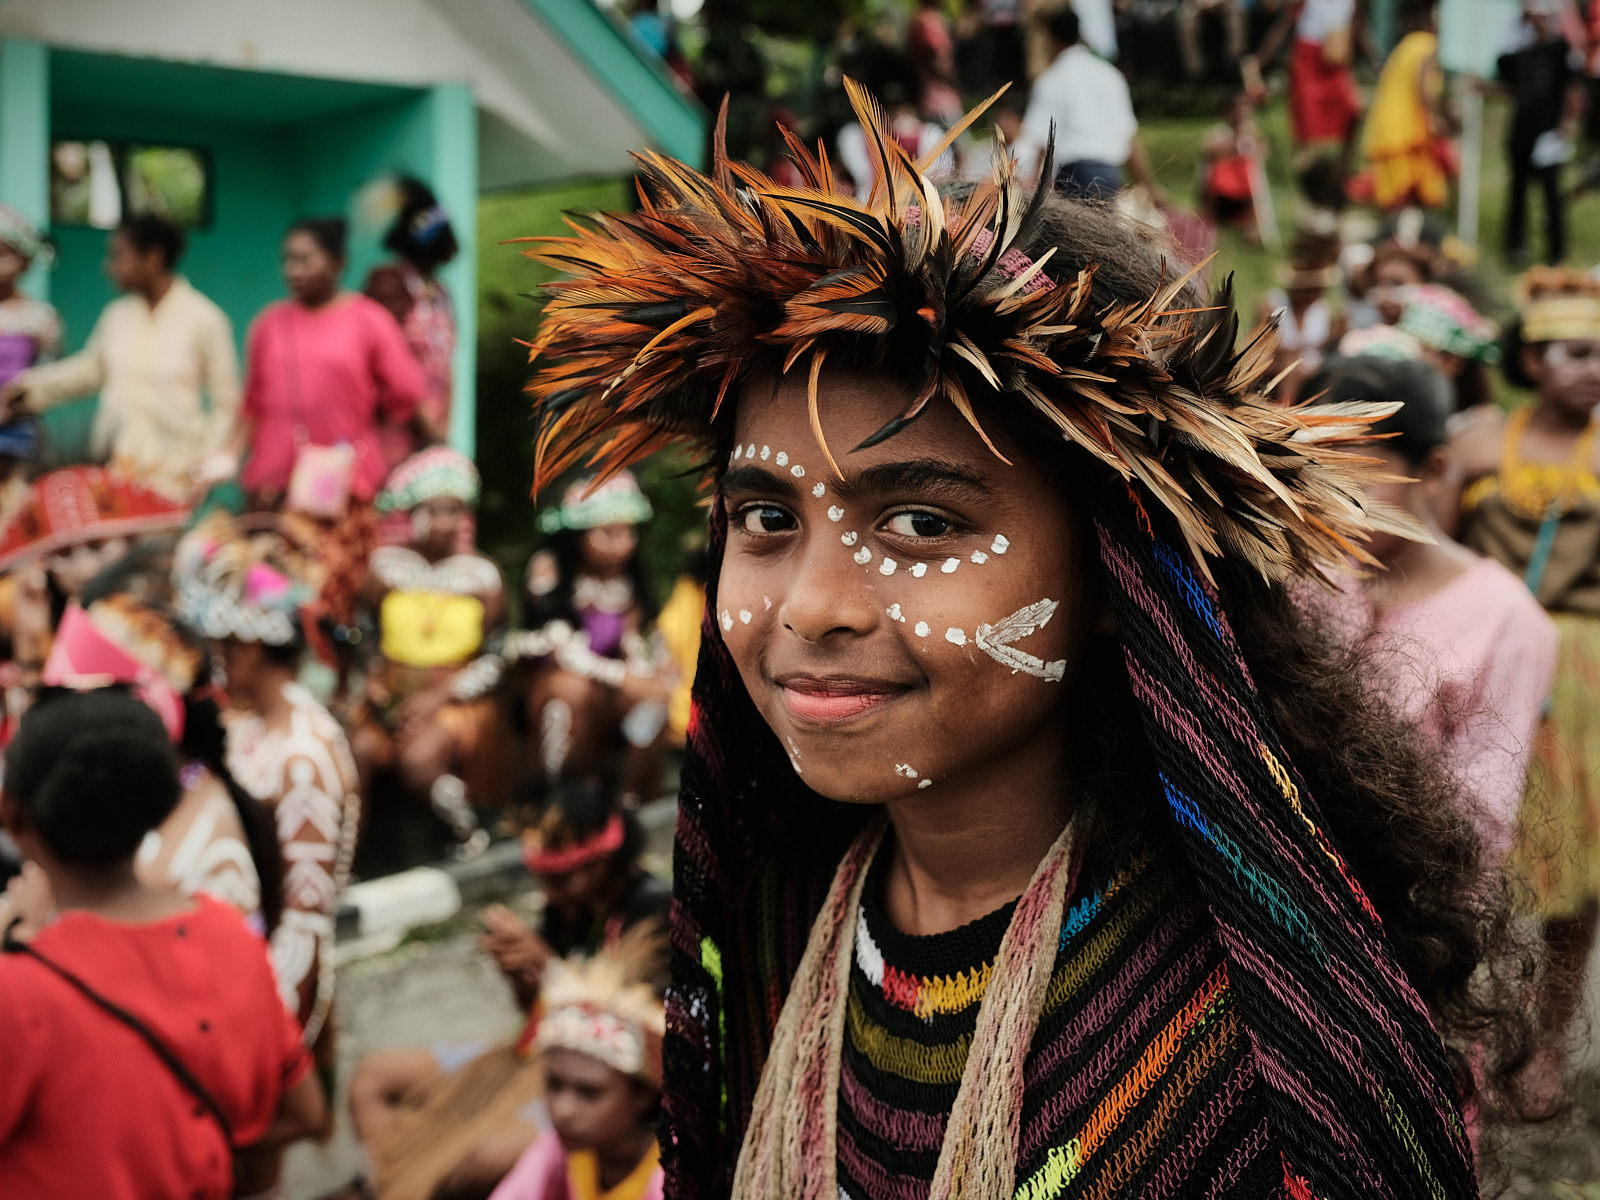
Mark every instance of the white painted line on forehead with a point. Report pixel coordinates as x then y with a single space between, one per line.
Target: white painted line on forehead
862 556
835 513
849 539
920 570
956 637
887 566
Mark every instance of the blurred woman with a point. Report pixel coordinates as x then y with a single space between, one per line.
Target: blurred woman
30 329
423 241
323 368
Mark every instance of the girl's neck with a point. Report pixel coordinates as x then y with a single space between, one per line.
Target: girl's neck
319 302
1554 419
618 1161
265 697
965 847
113 892
1416 570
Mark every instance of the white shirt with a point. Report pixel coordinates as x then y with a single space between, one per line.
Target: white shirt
1319 18
149 366
1097 26
1088 100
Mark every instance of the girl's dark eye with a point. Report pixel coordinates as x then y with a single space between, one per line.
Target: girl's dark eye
919 524
764 518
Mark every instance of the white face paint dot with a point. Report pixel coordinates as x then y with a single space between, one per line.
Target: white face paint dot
979 557
744 615
727 621
887 566
955 637
819 491
920 570
922 783
849 539
922 628
835 513
738 453
797 471
750 450
766 453
950 565
894 613
767 600
905 769
783 459
1000 543
862 556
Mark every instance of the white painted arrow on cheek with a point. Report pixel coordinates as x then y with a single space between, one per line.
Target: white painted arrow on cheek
996 641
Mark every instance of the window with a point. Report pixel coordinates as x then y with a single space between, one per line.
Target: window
98 183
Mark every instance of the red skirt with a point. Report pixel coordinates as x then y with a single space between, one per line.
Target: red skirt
1323 102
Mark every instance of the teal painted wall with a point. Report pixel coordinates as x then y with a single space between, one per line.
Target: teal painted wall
264 175
24 141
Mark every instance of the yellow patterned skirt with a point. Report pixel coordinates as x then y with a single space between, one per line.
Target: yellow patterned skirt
1557 848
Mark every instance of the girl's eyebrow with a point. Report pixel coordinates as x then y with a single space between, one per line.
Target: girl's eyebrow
924 476
758 479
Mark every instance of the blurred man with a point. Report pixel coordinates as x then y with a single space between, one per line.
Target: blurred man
150 356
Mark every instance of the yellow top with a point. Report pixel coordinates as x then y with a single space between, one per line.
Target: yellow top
583 1176
679 626
430 629
1397 123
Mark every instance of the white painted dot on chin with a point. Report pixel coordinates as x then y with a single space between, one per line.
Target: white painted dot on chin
956 637
979 557
862 556
819 492
1000 544
835 513
922 783
887 566
920 570
950 565
783 459
849 539
744 615
727 621
922 629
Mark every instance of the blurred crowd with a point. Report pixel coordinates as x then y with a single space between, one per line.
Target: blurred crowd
252 651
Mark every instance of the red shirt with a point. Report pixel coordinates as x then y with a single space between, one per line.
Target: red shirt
323 376
86 1107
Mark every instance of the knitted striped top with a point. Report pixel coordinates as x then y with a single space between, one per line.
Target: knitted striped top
1138 1082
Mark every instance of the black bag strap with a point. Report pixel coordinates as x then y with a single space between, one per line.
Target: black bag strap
12 946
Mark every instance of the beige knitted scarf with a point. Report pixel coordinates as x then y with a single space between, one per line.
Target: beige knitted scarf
789 1148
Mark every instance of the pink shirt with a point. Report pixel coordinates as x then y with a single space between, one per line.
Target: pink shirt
324 376
541 1174
1472 664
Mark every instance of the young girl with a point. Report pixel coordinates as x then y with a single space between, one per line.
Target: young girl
600 1042
89 1106
1030 843
1532 501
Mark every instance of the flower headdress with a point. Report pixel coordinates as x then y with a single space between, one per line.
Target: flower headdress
667 310
1559 303
605 1008
250 585
593 502
430 474
1441 318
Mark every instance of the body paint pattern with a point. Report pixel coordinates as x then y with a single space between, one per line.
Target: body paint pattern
995 641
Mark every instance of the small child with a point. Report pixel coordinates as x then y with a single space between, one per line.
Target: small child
600 1039
1233 149
145 1046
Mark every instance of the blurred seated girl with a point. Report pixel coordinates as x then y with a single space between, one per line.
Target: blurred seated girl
600 1045
431 721
598 681
85 1108
456 1116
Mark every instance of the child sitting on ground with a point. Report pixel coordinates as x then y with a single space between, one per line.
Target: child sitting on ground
147 1053
600 1042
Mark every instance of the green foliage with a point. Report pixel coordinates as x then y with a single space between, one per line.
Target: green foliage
508 309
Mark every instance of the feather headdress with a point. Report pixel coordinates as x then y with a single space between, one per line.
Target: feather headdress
605 1007
665 311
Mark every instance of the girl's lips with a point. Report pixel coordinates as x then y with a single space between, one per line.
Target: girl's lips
834 701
